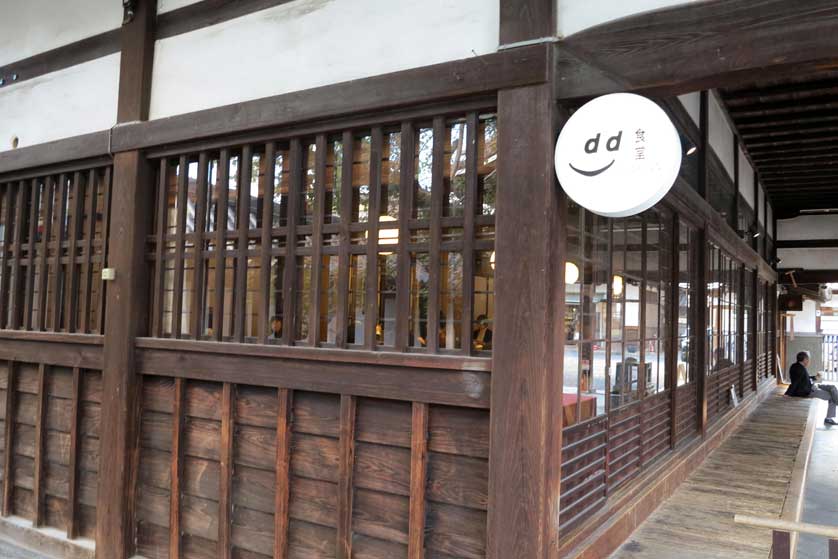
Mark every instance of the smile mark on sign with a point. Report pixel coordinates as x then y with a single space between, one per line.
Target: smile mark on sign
592 173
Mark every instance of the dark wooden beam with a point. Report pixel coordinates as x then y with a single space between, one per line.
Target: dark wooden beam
525 461
808 243
206 13
449 80
59 152
526 20
704 45
808 276
439 386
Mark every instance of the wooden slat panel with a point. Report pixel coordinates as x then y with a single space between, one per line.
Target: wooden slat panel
57 273
344 239
71 300
198 248
469 210
436 234
265 254
243 227
220 243
176 470
405 208
289 280
106 225
314 328
345 476
16 303
89 235
225 501
177 297
8 476
371 282
5 298
160 266
40 432
30 268
418 476
72 505
283 469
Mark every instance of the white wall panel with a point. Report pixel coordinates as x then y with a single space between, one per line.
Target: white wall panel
808 258
169 5
73 101
721 136
28 27
575 15
761 203
692 103
310 43
746 179
808 227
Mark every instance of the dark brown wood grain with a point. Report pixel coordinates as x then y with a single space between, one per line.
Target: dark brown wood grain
220 244
526 20
15 297
180 224
73 466
264 300
345 477
524 485
225 500
283 470
242 226
197 258
9 435
29 296
40 433
406 180
5 300
56 270
418 478
176 471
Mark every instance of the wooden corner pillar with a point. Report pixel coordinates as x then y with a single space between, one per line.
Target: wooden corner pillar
126 298
525 421
526 430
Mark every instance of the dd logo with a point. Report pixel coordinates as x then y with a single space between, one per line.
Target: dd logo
592 146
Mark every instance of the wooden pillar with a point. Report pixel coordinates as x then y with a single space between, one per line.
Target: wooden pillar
701 330
704 131
527 363
126 309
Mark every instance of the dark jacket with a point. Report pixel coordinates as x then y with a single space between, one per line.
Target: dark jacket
801 384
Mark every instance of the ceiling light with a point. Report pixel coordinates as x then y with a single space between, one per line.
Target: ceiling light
692 150
571 273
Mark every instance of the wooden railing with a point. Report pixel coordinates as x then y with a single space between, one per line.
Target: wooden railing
781 535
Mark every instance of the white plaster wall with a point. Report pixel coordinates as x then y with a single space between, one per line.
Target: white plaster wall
746 179
28 27
692 103
169 5
761 203
575 15
805 320
73 101
809 258
808 227
721 136
310 43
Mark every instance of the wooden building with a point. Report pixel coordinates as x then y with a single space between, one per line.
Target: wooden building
350 311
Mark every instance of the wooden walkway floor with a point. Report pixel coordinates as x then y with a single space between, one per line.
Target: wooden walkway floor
748 474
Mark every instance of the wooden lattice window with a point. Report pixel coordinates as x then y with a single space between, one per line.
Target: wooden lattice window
300 240
54 232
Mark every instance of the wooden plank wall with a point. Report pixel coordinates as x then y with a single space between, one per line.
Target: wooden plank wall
51 445
307 474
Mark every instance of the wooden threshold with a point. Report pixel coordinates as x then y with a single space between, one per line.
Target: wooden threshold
47 541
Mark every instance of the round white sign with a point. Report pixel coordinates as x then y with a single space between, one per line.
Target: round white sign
618 155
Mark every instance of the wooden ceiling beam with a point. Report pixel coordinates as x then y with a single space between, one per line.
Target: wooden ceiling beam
780 92
787 131
786 107
758 123
804 140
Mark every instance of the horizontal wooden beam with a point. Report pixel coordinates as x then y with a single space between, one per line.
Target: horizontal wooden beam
208 12
401 382
703 45
448 80
59 349
808 243
808 276
86 146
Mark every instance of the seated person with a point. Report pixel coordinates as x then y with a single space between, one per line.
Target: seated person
276 328
803 386
481 334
